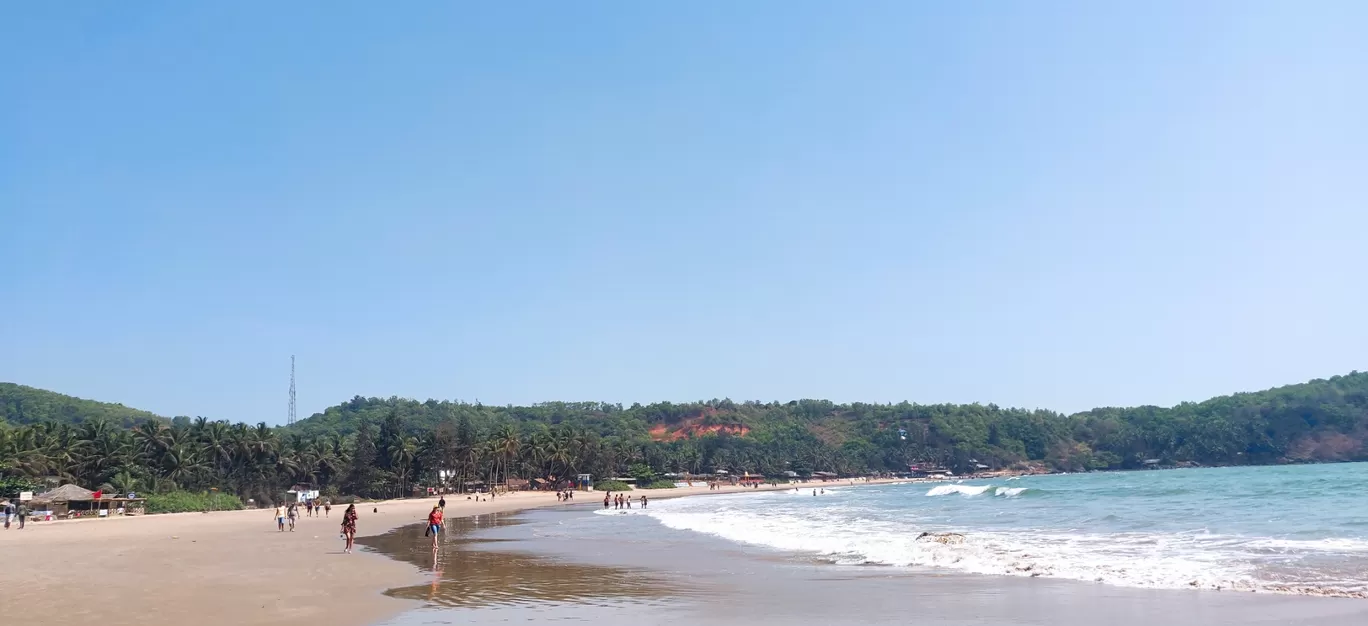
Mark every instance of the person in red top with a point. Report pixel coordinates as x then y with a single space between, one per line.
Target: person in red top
435 524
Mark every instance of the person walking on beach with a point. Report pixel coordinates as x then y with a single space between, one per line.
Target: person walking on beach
23 514
280 518
435 524
349 527
441 503
9 513
327 507
293 514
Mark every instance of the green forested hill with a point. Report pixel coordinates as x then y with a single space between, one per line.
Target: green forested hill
1320 420
374 446
27 405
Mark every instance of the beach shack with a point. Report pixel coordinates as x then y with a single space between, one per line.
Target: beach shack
73 501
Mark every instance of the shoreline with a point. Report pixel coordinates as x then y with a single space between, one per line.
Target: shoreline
234 567
553 564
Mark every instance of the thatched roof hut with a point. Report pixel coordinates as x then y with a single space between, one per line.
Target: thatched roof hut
73 500
66 493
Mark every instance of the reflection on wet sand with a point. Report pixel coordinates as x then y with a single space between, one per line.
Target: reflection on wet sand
468 577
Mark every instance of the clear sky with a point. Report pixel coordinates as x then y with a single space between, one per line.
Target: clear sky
1040 204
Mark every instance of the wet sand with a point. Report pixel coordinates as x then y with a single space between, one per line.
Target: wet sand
226 567
551 565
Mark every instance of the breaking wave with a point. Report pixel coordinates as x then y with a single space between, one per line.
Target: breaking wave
1102 534
976 490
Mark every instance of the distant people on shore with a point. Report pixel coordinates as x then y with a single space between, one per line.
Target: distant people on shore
349 527
280 518
643 500
292 512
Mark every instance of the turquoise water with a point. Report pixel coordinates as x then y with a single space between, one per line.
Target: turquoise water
1289 529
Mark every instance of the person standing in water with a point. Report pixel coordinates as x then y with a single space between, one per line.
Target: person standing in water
643 500
435 524
280 518
606 498
349 527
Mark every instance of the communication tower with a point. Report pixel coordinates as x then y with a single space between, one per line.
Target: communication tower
291 419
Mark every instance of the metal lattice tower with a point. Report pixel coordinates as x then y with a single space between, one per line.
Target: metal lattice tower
290 421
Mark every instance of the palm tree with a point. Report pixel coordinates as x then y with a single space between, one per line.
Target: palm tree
124 482
507 443
182 464
402 455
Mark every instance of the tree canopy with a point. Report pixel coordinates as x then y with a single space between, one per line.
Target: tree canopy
379 447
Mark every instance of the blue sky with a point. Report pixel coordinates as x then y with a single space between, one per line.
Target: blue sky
1040 204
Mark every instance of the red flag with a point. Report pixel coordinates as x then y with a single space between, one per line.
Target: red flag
97 495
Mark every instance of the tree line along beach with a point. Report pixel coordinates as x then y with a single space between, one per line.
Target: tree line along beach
230 562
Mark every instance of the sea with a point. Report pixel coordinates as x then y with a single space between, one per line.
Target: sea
1253 546
1285 529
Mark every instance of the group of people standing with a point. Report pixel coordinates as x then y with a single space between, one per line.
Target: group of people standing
565 495
621 501
15 513
288 513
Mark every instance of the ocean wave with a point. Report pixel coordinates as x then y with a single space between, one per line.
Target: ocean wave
977 490
1153 560
964 490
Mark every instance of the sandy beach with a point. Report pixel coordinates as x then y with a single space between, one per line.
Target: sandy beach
232 567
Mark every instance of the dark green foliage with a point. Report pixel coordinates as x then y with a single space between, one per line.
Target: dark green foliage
26 405
424 443
12 486
187 502
658 484
611 485
642 473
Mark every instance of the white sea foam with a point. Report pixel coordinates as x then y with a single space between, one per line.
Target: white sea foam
620 512
976 490
850 535
964 490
